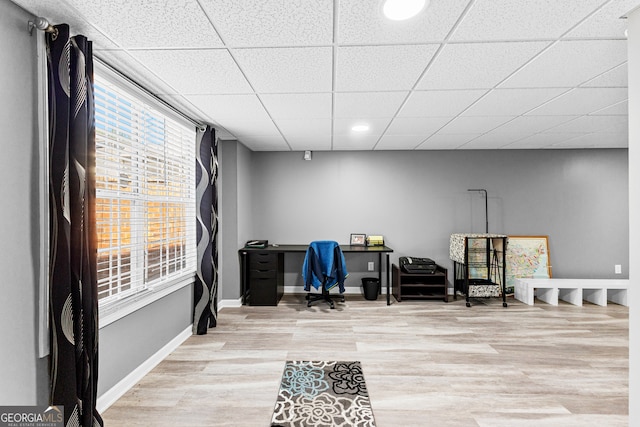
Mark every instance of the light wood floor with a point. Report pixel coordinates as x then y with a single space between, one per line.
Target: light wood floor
426 363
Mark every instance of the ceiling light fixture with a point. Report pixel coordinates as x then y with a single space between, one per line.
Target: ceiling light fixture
399 10
360 128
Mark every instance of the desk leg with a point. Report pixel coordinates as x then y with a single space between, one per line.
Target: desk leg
243 278
379 273
388 283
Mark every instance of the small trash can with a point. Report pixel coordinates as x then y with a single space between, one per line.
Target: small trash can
370 287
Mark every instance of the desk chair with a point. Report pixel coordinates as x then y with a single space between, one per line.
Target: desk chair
324 267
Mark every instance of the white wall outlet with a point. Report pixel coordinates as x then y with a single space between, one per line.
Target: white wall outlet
618 269
370 265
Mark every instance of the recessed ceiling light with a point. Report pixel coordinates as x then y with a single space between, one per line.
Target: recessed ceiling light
399 10
360 128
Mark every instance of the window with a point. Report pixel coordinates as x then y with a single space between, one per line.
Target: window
145 191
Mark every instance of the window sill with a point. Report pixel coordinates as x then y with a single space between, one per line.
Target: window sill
117 310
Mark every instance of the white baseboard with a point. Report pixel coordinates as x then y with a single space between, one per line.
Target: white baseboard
109 397
224 303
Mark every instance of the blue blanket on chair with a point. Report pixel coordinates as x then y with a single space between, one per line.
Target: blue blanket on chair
324 264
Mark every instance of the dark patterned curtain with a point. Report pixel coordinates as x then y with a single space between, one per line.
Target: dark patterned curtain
206 285
73 310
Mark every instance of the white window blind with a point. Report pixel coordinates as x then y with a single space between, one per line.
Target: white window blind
145 192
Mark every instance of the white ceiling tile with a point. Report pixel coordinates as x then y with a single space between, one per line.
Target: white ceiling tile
126 64
287 70
576 61
532 124
475 124
494 140
367 104
605 23
265 143
272 22
362 21
224 107
539 140
249 127
301 127
416 125
439 103
522 20
614 124
310 142
616 77
399 142
191 71
449 141
376 126
502 102
298 105
55 14
595 140
582 101
370 68
354 142
151 23
477 65
619 109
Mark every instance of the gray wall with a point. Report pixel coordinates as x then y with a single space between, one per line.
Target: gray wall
23 375
128 342
579 198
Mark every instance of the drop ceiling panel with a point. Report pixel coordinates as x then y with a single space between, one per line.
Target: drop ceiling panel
619 109
376 126
225 107
493 140
582 101
533 124
272 22
367 104
399 142
371 68
55 14
616 77
502 102
354 142
605 23
416 125
298 105
477 65
615 124
310 142
191 72
301 127
362 21
446 141
595 140
522 20
540 140
287 70
265 143
439 103
250 127
575 61
474 124
151 23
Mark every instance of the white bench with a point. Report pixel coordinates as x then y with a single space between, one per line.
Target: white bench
596 291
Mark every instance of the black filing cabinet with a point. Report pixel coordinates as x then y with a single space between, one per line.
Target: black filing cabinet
265 277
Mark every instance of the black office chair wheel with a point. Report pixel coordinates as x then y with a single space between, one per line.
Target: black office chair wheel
504 304
468 304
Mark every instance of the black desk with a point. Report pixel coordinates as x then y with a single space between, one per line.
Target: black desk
274 271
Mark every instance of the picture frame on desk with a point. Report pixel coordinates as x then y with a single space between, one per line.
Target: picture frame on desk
358 239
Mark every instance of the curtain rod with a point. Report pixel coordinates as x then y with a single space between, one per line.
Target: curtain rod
148 92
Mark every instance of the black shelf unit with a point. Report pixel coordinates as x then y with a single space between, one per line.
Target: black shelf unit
479 268
418 286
